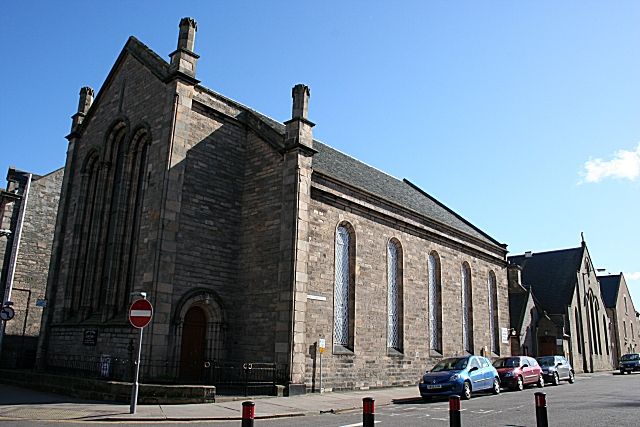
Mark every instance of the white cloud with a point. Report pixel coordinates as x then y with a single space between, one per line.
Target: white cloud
632 276
625 164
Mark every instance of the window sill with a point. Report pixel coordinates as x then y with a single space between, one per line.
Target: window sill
342 350
394 352
435 353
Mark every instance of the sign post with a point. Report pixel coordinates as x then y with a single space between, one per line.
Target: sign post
140 315
321 346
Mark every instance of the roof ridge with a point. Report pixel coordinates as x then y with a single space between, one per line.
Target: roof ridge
548 252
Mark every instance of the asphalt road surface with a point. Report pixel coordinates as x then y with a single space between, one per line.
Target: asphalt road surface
597 400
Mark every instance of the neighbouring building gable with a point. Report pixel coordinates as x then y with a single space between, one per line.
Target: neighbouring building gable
609 287
552 276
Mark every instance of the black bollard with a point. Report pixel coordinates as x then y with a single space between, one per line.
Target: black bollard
248 413
454 411
368 412
541 410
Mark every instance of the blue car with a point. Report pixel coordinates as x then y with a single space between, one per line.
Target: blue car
460 375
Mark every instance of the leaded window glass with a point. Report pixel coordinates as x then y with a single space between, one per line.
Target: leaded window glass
467 317
435 303
393 297
493 313
341 288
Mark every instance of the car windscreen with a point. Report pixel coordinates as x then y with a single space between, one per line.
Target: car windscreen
546 361
628 357
453 364
509 362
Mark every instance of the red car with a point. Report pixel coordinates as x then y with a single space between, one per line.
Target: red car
519 371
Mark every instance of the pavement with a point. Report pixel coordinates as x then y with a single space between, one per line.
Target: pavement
23 404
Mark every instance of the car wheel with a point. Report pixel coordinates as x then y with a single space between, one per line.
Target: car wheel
496 386
572 377
556 379
540 381
622 371
466 391
519 384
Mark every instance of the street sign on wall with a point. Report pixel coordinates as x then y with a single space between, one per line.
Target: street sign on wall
7 313
140 313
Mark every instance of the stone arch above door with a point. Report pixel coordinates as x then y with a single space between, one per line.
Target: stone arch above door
203 310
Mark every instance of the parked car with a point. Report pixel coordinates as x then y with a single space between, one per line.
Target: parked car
629 362
519 371
460 375
556 369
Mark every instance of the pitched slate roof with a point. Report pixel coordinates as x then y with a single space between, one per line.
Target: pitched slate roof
343 167
609 286
340 166
551 275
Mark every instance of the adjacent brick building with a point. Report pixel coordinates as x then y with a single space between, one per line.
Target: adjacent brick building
28 209
625 325
573 321
254 242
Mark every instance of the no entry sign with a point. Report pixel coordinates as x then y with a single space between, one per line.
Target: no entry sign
140 313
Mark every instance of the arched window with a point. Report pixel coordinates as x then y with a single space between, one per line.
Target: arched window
394 295
467 309
107 232
130 218
435 303
86 218
592 341
626 310
578 336
493 313
596 311
344 287
606 333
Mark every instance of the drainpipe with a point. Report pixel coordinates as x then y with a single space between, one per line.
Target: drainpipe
15 246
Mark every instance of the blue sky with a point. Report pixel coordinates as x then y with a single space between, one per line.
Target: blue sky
524 117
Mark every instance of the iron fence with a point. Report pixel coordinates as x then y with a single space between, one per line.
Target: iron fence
229 377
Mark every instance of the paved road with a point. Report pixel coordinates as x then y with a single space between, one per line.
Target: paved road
597 400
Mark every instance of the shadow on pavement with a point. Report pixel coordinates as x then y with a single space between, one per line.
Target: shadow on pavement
10 395
407 401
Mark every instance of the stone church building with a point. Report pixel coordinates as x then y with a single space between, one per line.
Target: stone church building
254 242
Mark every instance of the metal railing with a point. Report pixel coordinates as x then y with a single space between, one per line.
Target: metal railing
229 377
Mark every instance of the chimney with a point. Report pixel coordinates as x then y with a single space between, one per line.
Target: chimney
183 59
86 99
528 254
298 129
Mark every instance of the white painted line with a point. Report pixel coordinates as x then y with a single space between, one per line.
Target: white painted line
358 424
140 313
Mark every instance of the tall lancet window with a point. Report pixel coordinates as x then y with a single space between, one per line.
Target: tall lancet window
344 287
435 303
394 295
493 313
467 309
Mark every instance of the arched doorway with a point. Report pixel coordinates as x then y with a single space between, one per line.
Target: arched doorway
192 350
